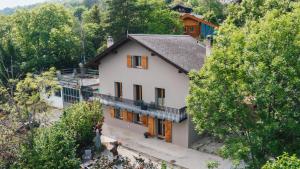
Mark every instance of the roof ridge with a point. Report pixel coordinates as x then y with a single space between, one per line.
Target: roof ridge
158 35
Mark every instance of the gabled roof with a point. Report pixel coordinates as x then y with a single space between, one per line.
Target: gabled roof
198 18
181 51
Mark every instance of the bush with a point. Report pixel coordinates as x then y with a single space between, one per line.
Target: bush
56 146
81 118
283 162
52 147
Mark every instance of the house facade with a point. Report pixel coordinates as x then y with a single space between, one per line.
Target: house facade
196 26
144 84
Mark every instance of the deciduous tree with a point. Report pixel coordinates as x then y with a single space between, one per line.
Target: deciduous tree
248 91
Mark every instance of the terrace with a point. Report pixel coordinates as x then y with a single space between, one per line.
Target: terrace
141 107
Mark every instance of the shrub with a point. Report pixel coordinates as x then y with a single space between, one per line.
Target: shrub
52 147
283 162
81 118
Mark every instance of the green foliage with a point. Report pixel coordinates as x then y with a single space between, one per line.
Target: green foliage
239 13
248 91
81 118
212 10
52 147
30 92
37 39
163 165
283 162
56 146
212 164
141 17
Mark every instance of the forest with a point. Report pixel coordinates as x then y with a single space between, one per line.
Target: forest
247 93
64 34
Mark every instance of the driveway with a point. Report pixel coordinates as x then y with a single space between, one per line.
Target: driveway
158 149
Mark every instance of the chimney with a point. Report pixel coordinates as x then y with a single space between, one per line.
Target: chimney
110 41
209 44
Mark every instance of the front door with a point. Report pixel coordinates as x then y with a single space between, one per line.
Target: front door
160 128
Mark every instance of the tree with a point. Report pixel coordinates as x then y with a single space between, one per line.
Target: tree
141 17
20 103
239 13
45 38
53 147
121 17
56 146
283 162
94 29
212 10
82 118
248 91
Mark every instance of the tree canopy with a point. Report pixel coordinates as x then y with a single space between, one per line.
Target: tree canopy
248 91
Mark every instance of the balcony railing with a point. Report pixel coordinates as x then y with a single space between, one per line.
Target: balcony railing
74 76
138 106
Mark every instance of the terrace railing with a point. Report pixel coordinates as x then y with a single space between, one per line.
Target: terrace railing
73 76
138 106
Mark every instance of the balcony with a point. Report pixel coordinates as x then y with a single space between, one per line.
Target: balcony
77 77
150 109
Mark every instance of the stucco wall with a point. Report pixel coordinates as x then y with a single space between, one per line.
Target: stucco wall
54 101
193 134
180 133
160 74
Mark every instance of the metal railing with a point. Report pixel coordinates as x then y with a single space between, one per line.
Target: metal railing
72 76
152 108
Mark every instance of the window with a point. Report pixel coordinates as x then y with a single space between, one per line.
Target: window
118 114
160 96
71 95
136 61
137 118
137 92
118 89
57 93
192 29
161 128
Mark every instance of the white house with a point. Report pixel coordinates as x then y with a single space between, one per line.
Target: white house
144 83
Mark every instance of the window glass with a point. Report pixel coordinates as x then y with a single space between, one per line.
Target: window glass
71 95
136 118
118 114
136 61
160 96
118 89
137 92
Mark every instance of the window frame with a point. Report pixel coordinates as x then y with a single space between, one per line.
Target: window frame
118 113
135 91
118 89
136 61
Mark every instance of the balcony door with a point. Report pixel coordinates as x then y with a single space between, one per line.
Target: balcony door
137 92
118 89
160 96
161 128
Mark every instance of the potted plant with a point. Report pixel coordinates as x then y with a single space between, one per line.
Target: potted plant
147 134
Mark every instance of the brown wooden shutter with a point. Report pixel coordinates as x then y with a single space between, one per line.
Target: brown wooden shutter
151 126
124 115
145 62
129 61
112 112
144 120
168 131
129 116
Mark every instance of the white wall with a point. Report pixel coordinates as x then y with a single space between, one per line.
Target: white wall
160 74
54 101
